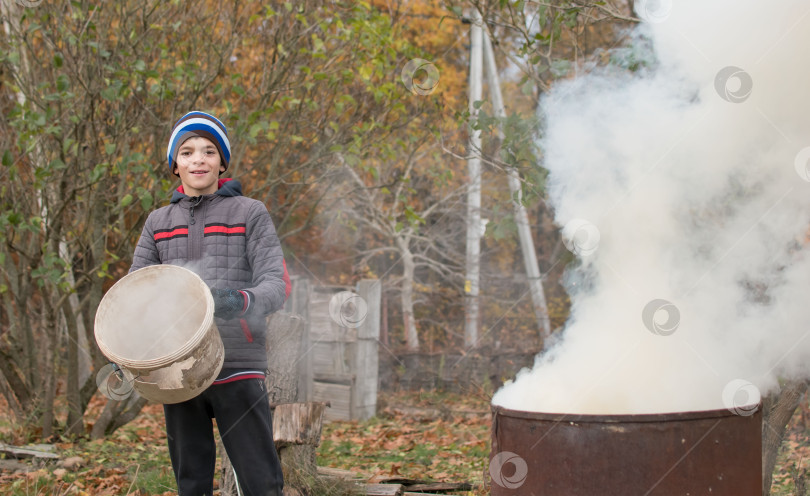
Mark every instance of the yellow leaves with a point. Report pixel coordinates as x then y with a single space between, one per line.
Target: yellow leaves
365 71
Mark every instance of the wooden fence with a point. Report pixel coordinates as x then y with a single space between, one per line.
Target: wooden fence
338 360
476 372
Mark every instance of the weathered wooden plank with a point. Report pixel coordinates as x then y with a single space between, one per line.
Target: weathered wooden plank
323 326
370 290
384 490
366 366
14 466
330 358
338 473
440 486
40 451
423 486
298 304
338 395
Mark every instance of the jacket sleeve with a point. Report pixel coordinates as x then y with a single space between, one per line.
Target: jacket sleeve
145 251
266 261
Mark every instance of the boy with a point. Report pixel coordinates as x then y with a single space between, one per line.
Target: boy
230 242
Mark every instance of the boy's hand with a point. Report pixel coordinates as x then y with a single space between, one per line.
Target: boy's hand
230 303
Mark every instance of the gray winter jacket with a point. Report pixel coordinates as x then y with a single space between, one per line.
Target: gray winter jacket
230 242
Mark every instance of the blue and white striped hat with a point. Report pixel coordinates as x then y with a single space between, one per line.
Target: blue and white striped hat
196 123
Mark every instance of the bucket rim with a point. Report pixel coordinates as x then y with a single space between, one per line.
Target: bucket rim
169 358
498 410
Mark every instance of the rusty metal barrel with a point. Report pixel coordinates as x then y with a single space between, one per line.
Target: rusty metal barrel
715 452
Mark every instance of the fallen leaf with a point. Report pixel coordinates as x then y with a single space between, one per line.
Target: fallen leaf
71 463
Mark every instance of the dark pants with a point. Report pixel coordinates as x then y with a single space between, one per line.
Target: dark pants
243 419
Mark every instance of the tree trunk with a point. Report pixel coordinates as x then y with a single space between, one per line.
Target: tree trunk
49 367
406 296
471 285
117 414
777 412
75 418
17 393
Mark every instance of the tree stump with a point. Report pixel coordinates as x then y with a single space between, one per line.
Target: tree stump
297 432
285 338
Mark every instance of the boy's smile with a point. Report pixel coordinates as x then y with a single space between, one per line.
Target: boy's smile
198 163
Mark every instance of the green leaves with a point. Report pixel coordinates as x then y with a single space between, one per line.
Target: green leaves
413 218
146 199
52 269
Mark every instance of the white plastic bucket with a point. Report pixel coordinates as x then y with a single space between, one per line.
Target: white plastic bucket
158 324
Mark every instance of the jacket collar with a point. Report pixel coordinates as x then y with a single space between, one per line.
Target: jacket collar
225 187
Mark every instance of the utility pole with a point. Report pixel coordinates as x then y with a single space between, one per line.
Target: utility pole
471 284
521 217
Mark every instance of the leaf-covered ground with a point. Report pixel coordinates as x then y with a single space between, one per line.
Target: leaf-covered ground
421 436
134 461
428 436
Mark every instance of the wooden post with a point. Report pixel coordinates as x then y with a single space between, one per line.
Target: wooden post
299 299
521 216
366 368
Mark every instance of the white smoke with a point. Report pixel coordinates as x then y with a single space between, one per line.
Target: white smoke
694 175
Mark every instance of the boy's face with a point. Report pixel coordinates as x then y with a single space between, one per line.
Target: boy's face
198 163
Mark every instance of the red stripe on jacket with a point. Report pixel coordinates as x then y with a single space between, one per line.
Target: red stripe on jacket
173 232
286 279
246 330
224 229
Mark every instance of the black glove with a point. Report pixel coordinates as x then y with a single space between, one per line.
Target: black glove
230 303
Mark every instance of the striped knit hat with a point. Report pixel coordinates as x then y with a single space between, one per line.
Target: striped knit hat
202 125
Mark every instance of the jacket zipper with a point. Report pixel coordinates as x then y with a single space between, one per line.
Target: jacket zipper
195 200
195 234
